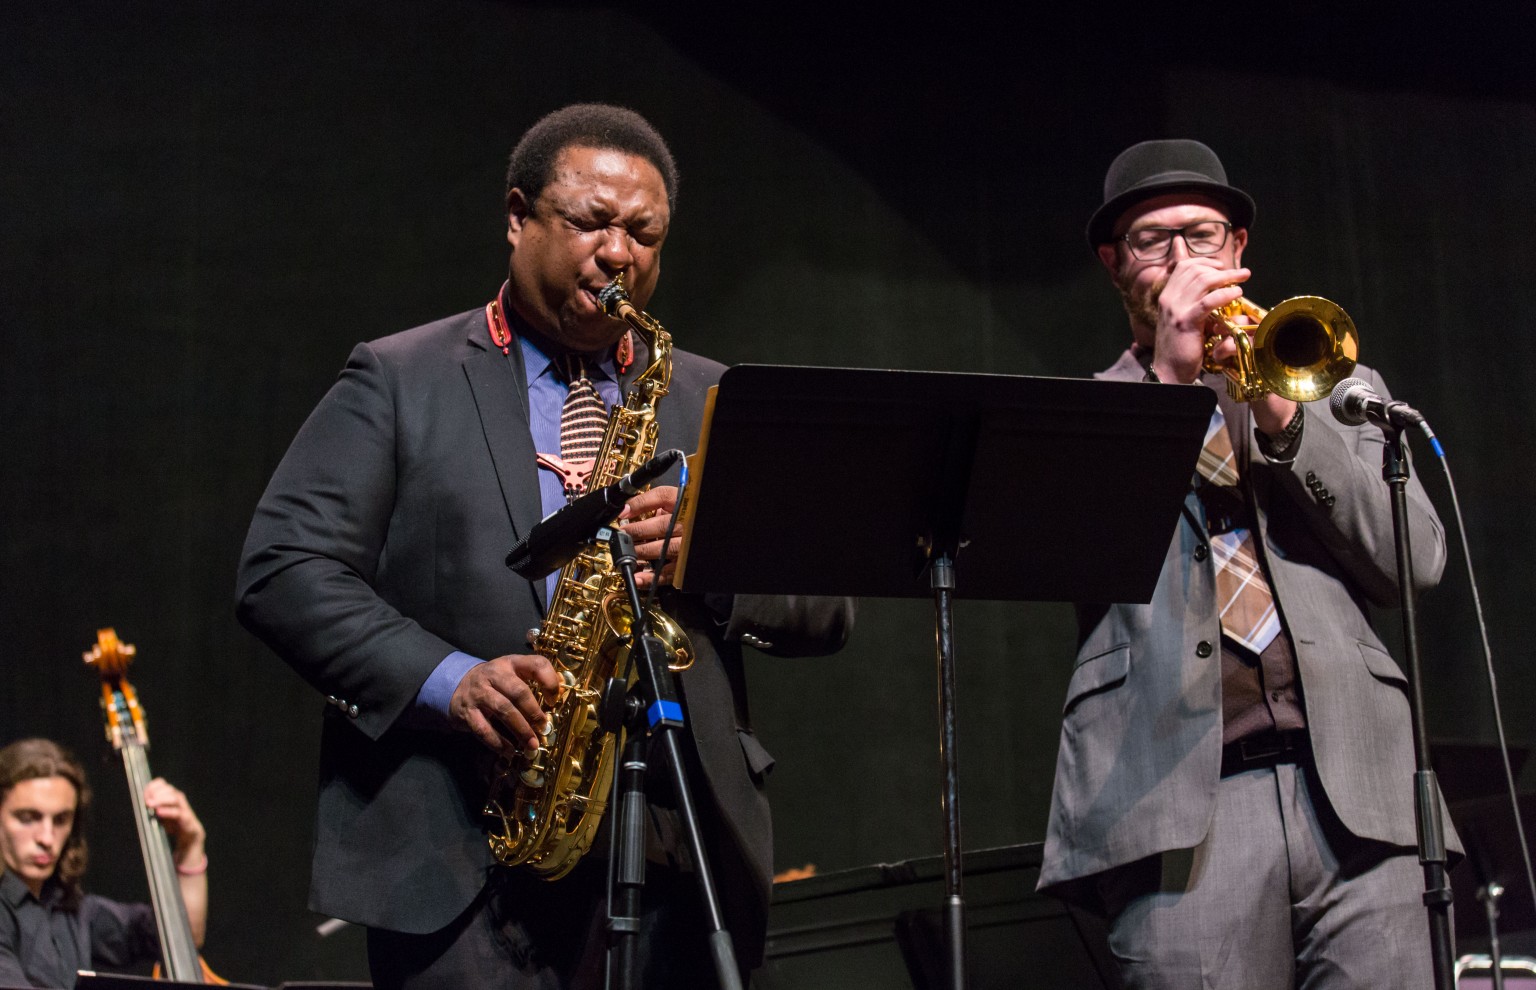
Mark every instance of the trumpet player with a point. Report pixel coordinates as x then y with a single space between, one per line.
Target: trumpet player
375 568
1234 780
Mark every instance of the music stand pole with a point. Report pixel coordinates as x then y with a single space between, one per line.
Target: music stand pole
1431 828
942 580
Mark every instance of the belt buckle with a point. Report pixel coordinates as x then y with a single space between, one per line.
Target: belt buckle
1255 749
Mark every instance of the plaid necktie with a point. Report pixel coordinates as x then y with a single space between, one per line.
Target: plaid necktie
1247 604
583 421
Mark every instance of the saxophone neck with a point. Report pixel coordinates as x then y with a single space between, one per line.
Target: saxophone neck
657 375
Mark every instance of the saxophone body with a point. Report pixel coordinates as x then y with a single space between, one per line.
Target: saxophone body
546 804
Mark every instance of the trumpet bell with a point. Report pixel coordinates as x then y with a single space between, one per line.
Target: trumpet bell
1304 347
1299 350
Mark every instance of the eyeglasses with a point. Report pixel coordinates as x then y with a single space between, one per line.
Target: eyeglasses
1154 243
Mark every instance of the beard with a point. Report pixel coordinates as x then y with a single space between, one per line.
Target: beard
1141 305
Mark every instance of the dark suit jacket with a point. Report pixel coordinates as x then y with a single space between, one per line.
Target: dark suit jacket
1140 753
378 549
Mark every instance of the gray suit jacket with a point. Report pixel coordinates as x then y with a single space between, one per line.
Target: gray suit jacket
1140 752
378 549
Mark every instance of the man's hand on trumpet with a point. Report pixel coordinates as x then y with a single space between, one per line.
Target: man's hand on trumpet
1196 288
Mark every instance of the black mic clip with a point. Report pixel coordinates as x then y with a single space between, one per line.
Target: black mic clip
1354 403
559 536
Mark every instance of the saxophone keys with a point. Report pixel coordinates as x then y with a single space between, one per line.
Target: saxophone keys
533 774
536 759
567 684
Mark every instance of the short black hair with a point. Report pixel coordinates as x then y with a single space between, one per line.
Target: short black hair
587 125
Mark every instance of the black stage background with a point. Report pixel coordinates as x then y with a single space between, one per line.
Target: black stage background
204 205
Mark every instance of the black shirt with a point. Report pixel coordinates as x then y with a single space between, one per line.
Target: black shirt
43 943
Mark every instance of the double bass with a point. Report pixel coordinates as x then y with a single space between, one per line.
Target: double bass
126 732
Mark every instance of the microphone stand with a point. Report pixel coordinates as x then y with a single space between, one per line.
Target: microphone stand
1431 829
651 711
1489 893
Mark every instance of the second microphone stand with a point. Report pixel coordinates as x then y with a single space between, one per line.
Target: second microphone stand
650 712
1431 828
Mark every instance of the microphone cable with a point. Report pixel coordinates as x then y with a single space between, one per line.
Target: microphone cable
666 540
1493 684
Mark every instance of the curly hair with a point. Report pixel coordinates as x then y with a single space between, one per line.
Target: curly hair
587 125
33 759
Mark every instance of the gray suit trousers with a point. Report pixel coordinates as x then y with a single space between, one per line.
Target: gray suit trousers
1278 896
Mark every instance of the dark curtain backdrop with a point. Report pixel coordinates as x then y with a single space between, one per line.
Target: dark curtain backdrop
204 205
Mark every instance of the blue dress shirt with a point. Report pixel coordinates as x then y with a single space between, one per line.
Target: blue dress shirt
546 399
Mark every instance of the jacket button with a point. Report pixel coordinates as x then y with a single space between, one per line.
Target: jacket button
1203 649
352 711
1329 501
1311 477
1202 552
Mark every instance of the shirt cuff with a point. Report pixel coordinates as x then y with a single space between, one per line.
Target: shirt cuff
1282 447
436 691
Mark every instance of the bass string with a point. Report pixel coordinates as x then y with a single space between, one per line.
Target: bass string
154 846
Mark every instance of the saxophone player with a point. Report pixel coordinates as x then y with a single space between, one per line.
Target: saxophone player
1234 782
374 567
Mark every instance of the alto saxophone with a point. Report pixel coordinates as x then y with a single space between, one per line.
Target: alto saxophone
545 804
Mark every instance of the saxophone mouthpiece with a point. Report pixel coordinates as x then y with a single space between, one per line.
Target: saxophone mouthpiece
613 296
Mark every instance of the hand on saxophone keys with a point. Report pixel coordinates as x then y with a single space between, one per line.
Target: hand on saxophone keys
646 518
501 702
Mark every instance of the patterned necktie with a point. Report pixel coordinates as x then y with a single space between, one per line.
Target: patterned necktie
1247 604
583 421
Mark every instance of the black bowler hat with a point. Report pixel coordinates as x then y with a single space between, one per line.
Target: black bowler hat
1152 168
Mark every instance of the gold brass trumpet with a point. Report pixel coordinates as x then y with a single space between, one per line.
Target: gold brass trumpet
1299 350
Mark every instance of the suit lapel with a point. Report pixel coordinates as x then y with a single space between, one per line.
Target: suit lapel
497 383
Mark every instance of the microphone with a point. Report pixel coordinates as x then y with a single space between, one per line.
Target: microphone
1354 401
560 535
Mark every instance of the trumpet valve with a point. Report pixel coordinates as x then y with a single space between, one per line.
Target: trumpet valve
1211 341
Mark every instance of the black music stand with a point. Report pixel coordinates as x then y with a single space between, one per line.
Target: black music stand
1054 489
87 980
